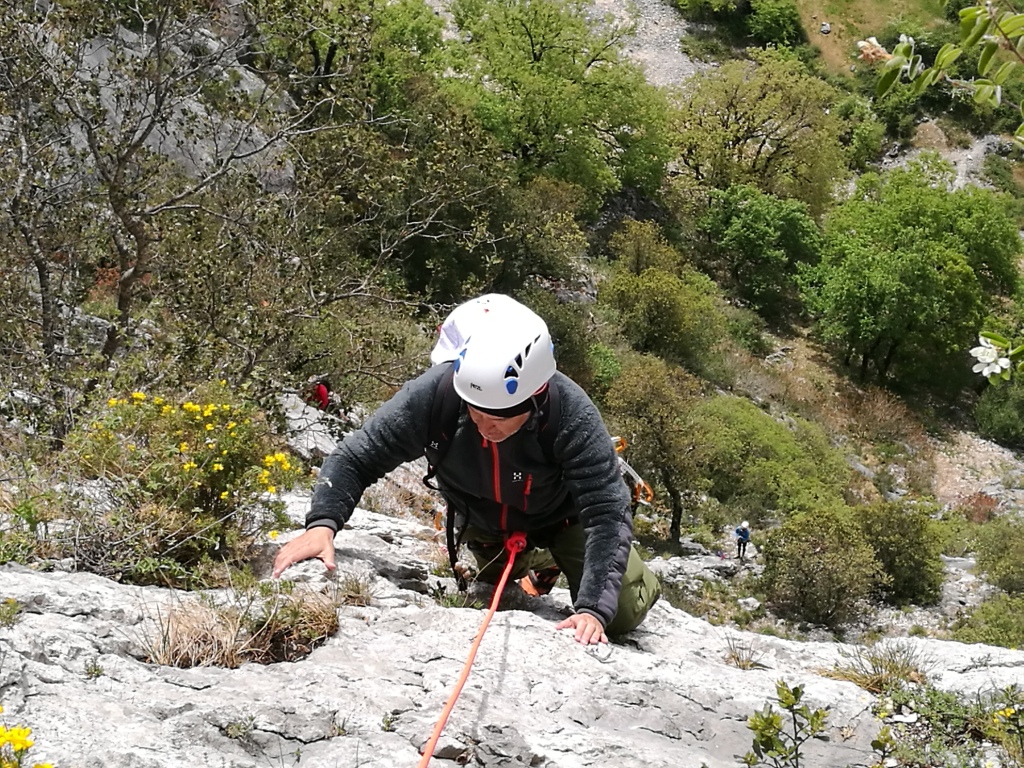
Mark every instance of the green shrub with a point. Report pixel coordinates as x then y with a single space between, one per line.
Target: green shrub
898 110
1000 413
775 22
1001 553
606 367
997 621
863 132
747 329
759 466
819 569
676 317
757 242
957 727
568 325
175 485
704 10
957 535
18 531
905 542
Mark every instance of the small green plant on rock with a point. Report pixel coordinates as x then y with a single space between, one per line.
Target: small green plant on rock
777 743
951 730
240 729
93 669
1008 724
10 612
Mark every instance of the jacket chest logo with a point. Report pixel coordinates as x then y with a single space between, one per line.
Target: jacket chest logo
517 477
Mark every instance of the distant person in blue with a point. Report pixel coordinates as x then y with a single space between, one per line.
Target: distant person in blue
742 539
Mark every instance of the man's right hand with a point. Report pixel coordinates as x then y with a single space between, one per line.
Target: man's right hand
316 542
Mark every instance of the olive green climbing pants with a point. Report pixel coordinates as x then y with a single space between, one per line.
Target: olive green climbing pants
565 548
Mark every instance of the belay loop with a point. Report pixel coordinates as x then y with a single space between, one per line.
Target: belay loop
515 543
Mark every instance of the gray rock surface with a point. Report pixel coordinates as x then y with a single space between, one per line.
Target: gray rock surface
74 671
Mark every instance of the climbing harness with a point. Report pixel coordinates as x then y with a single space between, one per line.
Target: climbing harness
515 544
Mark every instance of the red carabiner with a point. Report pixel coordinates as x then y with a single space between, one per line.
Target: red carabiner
516 542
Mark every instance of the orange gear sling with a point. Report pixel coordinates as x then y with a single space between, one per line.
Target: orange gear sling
515 544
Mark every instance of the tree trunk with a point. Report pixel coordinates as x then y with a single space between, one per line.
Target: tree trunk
676 498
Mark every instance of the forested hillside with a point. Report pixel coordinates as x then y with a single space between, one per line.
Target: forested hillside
205 204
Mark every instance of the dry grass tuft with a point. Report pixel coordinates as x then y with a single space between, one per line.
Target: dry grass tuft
197 635
262 623
354 589
742 655
884 666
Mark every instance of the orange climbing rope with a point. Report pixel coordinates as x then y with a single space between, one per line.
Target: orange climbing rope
515 544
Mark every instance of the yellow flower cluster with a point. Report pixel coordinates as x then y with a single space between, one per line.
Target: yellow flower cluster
14 743
1003 714
277 458
200 412
15 738
264 479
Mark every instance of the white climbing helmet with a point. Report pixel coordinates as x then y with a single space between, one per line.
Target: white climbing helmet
456 327
506 358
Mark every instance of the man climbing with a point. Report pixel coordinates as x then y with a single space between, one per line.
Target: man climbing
742 539
497 476
318 394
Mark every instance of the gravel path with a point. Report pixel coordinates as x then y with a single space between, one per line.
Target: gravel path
655 43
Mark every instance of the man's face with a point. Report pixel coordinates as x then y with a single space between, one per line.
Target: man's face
495 428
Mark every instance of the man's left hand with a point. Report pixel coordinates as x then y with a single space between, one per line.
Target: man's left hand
588 628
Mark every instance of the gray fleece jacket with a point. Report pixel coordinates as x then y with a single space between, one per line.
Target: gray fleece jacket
499 487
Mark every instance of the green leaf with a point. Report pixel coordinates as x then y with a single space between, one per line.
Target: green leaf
968 20
927 78
1012 25
947 55
887 81
985 93
1015 352
981 26
985 60
995 338
903 51
971 12
1001 74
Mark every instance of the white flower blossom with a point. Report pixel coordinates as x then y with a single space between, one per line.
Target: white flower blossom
989 361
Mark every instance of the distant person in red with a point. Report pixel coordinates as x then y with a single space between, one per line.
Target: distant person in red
319 394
